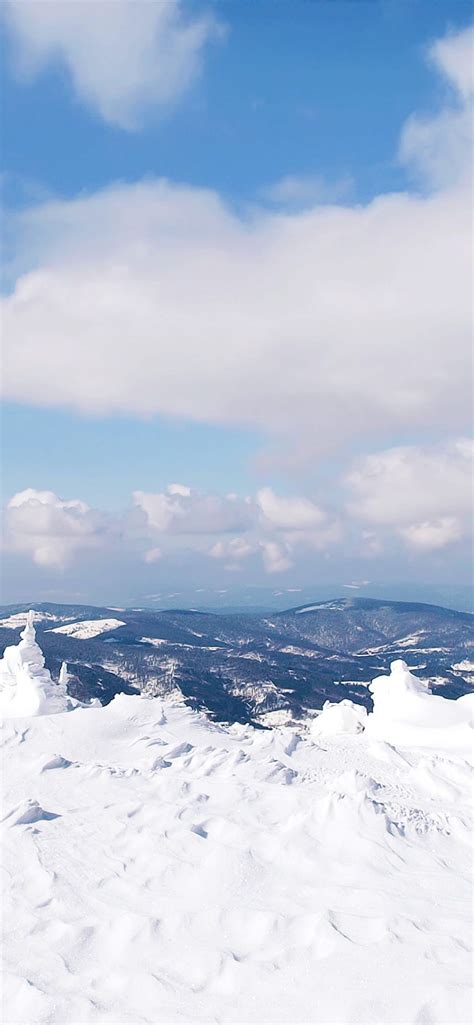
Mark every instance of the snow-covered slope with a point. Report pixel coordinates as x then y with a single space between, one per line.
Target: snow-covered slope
88 628
162 868
19 619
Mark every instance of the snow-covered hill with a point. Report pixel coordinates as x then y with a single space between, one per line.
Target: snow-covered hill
159 867
251 668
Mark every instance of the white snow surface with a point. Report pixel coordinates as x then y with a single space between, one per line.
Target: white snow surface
161 868
87 628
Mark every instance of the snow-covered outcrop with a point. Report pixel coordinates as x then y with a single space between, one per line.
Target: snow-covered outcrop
407 713
26 687
339 717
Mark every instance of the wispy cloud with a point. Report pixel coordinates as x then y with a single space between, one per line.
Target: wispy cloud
298 192
123 57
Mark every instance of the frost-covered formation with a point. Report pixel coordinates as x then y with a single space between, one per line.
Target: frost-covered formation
26 687
406 712
339 717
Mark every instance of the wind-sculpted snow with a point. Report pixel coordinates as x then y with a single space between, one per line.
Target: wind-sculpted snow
405 713
26 687
159 867
339 717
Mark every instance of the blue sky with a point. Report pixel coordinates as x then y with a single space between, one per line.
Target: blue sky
282 320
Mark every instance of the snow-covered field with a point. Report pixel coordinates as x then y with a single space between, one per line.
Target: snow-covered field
162 868
88 628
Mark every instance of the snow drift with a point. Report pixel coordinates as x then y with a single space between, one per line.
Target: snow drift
407 713
163 868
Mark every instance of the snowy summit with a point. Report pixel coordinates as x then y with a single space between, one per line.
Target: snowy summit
164 868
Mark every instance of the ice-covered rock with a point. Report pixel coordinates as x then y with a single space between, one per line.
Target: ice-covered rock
339 717
26 687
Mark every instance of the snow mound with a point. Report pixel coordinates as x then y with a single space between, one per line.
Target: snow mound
407 713
339 717
26 687
88 628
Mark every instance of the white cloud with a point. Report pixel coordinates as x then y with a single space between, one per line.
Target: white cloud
425 494
123 57
152 555
187 512
236 549
51 530
276 557
434 534
300 191
439 147
289 513
453 56
223 527
323 325
411 496
268 524
179 489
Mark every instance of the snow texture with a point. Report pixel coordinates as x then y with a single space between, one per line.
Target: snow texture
161 868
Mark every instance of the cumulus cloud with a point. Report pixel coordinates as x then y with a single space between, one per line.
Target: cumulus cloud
417 497
234 551
268 524
289 513
323 324
123 58
179 489
50 529
187 512
276 557
423 493
228 528
433 534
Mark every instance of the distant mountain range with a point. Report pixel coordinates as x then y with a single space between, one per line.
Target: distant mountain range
250 667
